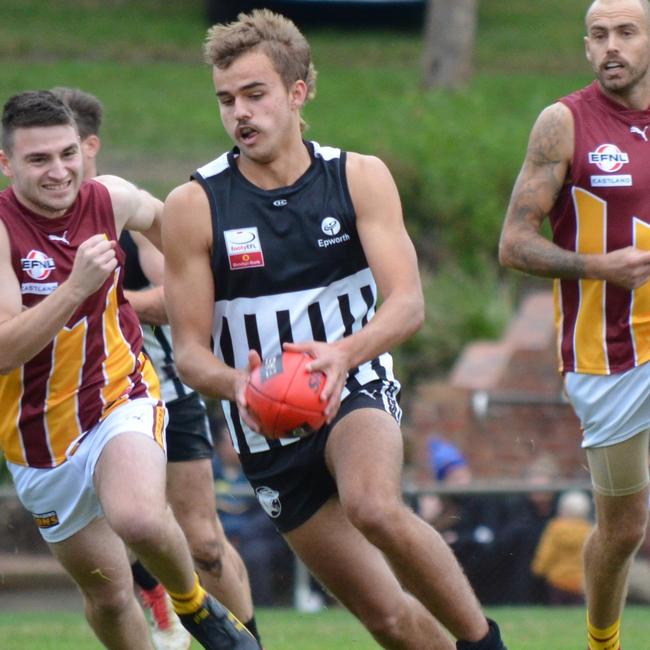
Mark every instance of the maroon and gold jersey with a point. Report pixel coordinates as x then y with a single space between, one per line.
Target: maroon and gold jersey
604 206
95 362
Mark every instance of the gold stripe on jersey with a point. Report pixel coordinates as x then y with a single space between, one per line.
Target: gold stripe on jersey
11 391
589 349
120 361
61 409
558 317
149 376
640 316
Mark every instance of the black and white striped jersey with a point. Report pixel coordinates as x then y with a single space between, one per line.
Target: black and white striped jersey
157 339
288 266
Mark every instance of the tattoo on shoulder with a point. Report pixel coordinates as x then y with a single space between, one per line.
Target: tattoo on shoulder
547 139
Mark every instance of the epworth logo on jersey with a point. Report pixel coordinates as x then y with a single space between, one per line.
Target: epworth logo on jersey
244 248
332 227
37 265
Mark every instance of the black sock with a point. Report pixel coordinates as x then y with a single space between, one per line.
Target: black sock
491 641
251 626
142 577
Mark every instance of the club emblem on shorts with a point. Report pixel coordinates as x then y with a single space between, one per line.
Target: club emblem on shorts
37 265
269 500
46 519
244 248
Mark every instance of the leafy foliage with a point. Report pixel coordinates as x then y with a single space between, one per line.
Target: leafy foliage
455 155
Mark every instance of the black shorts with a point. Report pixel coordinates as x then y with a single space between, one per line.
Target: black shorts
188 431
293 482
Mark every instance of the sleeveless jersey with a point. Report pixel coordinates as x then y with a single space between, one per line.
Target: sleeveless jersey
604 206
157 338
95 362
288 267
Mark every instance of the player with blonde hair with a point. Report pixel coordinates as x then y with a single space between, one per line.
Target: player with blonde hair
287 244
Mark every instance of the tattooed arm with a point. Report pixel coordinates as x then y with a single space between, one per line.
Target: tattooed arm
542 176
549 154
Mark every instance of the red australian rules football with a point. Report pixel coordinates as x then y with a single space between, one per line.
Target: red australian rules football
284 396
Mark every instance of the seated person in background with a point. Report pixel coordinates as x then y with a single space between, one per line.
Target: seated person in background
558 558
469 523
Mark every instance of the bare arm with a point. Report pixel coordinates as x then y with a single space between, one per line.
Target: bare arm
25 332
542 176
134 209
392 259
149 304
187 238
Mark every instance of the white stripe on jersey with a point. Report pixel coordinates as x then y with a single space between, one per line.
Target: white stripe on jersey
169 388
215 166
326 153
264 310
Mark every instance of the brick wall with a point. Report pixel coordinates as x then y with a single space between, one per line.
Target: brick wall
502 403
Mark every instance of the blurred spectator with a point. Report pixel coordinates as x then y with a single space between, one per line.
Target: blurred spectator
470 523
267 557
558 558
526 518
494 536
449 466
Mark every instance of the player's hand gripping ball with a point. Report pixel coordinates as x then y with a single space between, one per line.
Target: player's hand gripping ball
284 397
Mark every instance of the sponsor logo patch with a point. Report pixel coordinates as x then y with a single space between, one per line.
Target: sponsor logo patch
620 180
37 265
332 227
608 158
46 519
244 248
39 289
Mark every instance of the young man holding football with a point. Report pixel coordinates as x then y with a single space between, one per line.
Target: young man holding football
284 244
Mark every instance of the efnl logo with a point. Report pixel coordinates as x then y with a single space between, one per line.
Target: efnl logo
608 158
37 265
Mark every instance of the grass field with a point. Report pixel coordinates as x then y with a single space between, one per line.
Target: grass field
524 628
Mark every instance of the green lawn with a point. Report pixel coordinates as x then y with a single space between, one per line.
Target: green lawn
524 628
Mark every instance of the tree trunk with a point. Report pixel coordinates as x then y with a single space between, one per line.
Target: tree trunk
450 30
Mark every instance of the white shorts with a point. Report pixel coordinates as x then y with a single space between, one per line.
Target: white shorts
62 499
611 408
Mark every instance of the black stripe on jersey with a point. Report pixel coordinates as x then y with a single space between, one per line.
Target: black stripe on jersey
252 334
170 367
369 299
346 313
284 326
228 355
253 338
316 322
348 321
